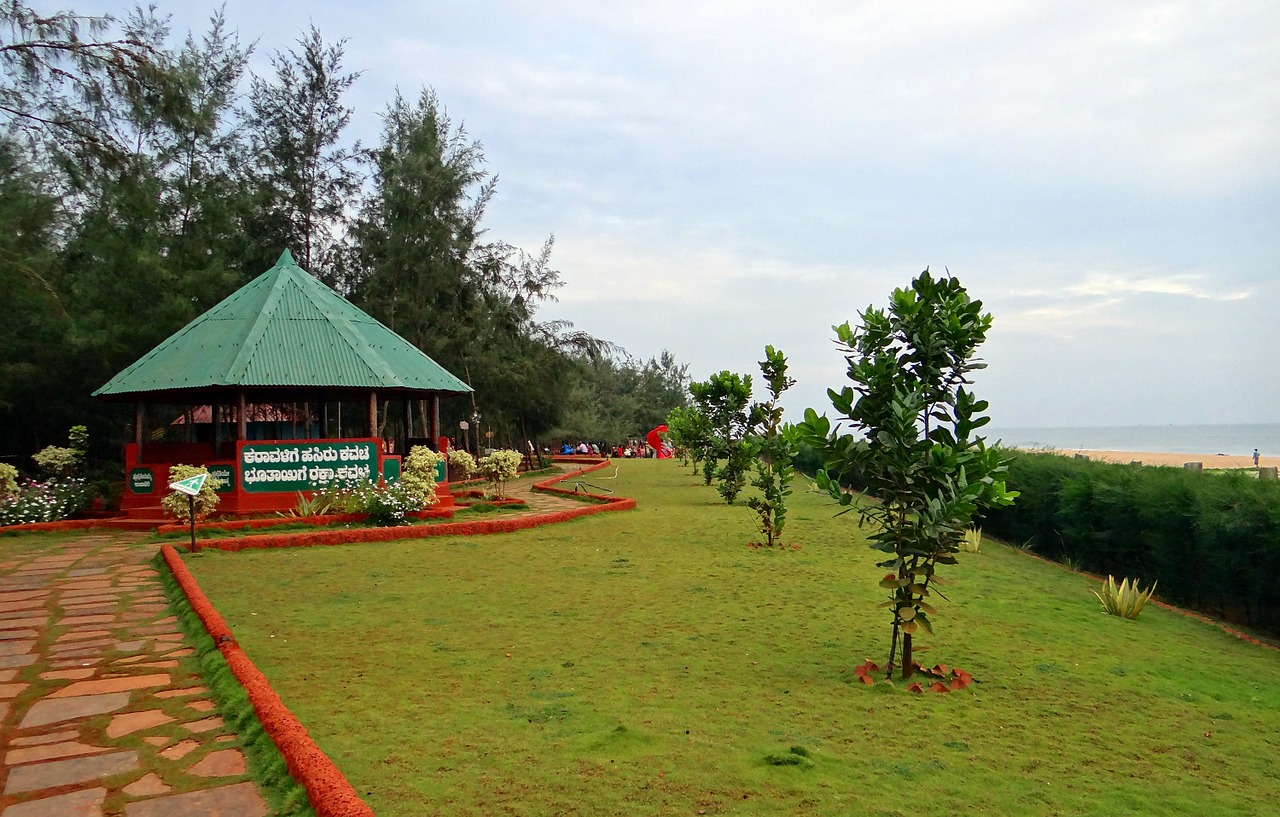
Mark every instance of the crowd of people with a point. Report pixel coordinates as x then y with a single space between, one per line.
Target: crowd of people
630 449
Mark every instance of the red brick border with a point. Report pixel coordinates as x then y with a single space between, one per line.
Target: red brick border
355 535
591 464
62 524
327 788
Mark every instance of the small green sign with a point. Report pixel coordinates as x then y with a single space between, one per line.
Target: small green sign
222 478
142 481
391 470
289 467
190 486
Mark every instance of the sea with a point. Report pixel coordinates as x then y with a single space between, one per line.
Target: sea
1232 440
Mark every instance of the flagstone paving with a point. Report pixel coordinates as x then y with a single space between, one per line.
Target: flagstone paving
93 689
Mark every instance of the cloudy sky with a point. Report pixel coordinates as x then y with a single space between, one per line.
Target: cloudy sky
719 176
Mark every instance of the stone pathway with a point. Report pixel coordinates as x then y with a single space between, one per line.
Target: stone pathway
540 502
99 716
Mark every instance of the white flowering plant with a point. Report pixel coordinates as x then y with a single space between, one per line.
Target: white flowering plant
46 501
499 468
386 505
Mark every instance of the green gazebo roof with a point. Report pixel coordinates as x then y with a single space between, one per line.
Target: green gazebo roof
283 330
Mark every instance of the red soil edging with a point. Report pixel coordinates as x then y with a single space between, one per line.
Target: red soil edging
62 524
351 536
315 521
327 788
548 485
242 524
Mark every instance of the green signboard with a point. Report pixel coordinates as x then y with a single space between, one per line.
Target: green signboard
391 470
222 478
142 480
304 466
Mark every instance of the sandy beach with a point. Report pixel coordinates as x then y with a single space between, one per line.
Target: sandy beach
1147 458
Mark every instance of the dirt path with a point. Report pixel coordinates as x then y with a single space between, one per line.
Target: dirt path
97 714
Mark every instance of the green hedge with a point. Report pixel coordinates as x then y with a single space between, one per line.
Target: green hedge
1212 540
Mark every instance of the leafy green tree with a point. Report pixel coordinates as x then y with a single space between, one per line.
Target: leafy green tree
689 431
774 447
60 71
723 398
922 460
33 354
419 226
420 266
618 397
206 199
302 171
134 228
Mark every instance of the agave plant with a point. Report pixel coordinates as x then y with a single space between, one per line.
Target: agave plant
972 540
1125 599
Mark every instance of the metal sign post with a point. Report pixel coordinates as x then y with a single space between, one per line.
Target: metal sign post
190 486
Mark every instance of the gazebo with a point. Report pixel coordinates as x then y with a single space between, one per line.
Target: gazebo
282 346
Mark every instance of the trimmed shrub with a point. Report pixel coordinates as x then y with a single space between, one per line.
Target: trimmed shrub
8 480
419 476
499 468
461 463
179 505
1211 540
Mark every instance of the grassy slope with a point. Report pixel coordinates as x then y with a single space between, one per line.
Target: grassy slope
646 662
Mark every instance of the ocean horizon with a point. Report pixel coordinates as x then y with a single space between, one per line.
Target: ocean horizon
1234 440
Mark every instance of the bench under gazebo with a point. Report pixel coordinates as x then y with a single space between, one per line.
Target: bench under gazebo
340 396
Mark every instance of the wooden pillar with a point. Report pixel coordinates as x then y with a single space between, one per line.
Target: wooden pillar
242 420
373 414
215 413
435 418
139 415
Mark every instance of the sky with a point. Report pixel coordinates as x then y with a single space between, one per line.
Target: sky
718 176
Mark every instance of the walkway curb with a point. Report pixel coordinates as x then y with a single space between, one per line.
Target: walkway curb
330 793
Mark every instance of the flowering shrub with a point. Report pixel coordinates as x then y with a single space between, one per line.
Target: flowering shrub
419 476
177 505
499 468
8 480
461 461
386 505
46 501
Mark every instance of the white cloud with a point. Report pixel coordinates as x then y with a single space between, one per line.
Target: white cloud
1189 285
721 175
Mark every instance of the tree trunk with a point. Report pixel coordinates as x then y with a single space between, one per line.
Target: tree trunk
908 665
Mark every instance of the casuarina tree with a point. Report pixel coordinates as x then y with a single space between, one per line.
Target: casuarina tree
910 438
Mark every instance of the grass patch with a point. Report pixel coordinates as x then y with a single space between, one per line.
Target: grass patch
647 662
235 533
285 796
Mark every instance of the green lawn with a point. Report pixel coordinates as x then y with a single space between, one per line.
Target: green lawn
647 662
